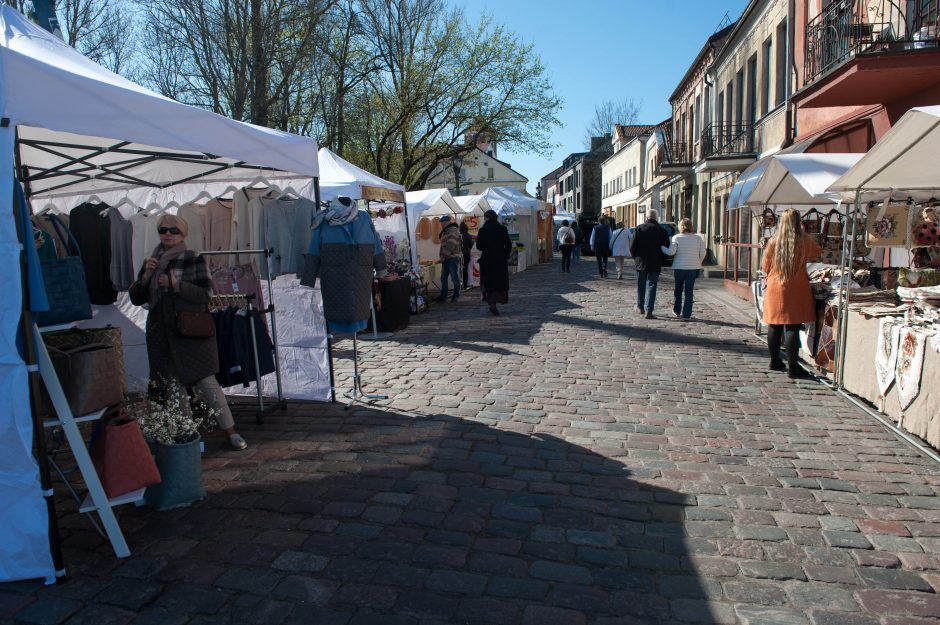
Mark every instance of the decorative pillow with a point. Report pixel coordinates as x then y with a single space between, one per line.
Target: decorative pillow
925 230
914 278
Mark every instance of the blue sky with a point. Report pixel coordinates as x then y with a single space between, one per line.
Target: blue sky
597 50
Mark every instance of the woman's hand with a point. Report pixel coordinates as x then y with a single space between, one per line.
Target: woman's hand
149 268
163 280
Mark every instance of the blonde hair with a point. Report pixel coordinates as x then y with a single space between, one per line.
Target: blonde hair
685 226
788 244
173 221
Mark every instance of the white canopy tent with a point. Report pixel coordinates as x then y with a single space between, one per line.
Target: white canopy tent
520 212
73 131
903 161
429 203
510 201
799 179
340 177
473 204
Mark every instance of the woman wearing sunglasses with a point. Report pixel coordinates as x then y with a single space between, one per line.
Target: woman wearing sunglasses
173 280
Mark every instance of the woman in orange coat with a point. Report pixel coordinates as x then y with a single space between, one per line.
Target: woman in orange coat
788 300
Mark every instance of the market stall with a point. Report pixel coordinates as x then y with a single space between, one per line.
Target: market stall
519 213
425 209
126 152
474 207
892 344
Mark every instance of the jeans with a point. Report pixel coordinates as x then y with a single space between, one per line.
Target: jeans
451 269
566 250
685 283
775 338
601 262
646 282
576 252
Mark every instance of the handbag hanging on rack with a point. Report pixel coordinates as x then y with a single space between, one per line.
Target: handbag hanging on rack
65 283
833 229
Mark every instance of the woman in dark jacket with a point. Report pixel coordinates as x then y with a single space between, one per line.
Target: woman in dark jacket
466 245
173 280
496 246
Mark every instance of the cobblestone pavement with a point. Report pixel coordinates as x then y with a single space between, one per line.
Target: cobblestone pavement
565 463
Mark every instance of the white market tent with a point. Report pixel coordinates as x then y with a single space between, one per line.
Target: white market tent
340 177
904 160
73 132
515 206
473 204
428 203
794 179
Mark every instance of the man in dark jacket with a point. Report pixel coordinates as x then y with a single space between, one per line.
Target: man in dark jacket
648 256
600 245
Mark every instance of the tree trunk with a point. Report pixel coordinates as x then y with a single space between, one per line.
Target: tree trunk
259 86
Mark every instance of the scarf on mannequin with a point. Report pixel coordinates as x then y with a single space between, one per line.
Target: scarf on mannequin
337 214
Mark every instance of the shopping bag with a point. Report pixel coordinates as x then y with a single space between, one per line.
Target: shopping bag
122 457
65 282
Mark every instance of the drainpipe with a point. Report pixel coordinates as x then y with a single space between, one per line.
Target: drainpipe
791 65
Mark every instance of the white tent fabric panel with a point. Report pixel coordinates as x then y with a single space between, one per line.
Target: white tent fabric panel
520 203
473 204
428 203
904 159
799 179
340 177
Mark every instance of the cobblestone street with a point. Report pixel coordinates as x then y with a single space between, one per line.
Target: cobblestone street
567 462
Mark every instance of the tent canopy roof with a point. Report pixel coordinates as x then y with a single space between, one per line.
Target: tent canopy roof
431 203
510 201
903 160
340 177
799 179
473 204
115 139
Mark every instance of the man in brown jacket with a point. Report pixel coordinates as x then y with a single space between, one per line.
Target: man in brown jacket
450 257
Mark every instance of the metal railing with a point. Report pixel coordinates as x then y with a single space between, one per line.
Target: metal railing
677 153
727 139
847 28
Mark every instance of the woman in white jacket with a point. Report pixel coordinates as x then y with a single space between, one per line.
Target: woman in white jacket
688 252
620 247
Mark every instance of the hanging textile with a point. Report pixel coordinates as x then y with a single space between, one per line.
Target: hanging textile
45 225
37 288
122 258
910 365
238 280
285 227
145 238
92 231
886 355
237 349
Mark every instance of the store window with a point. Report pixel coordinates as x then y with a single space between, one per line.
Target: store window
489 173
765 78
780 69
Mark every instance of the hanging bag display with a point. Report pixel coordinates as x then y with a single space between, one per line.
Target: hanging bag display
64 279
90 376
832 238
121 457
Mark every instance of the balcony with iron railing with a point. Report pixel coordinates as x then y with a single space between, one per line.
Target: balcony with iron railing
727 140
846 29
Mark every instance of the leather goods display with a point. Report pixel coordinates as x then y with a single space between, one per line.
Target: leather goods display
64 279
195 325
89 376
121 457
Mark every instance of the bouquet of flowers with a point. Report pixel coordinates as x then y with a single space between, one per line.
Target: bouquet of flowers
164 421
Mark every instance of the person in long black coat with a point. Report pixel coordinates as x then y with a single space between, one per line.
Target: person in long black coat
496 246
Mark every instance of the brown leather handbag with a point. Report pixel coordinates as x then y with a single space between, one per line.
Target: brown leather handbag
195 325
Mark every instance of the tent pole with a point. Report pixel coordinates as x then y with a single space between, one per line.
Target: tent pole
329 337
844 285
32 368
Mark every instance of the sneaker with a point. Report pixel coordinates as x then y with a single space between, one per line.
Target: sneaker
676 315
649 314
237 442
620 276
687 318
778 366
799 373
639 310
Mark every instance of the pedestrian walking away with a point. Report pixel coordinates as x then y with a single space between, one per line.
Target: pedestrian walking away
600 245
172 280
450 257
620 240
566 240
788 299
646 249
578 240
688 252
466 246
495 245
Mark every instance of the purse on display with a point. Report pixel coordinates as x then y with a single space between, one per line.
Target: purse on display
121 457
832 238
110 336
89 375
64 279
925 229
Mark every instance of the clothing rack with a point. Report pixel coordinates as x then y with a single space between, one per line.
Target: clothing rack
281 403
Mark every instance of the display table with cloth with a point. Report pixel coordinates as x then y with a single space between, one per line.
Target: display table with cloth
395 309
922 417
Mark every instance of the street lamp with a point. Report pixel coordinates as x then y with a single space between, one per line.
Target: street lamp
456 161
